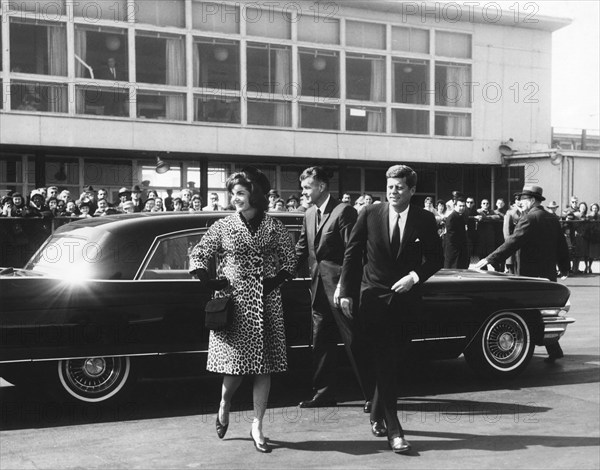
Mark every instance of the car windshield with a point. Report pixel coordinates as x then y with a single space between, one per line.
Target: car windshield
67 256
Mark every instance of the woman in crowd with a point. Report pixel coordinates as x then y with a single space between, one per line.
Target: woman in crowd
195 204
71 209
440 216
591 237
158 205
257 257
579 245
428 205
148 205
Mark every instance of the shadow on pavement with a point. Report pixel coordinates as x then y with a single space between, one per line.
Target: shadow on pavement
158 398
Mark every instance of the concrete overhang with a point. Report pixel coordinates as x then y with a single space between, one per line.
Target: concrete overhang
467 11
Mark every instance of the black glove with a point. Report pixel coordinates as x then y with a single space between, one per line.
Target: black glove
271 283
217 284
202 275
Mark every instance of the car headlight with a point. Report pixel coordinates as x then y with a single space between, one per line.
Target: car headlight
550 312
554 312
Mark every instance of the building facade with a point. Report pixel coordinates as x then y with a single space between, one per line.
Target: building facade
94 92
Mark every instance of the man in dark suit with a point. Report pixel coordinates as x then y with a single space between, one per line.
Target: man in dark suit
401 249
456 252
110 71
325 232
114 101
539 244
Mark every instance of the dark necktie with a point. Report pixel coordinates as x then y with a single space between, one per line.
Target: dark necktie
318 220
396 236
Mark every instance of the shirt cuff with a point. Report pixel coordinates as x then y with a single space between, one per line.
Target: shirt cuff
415 276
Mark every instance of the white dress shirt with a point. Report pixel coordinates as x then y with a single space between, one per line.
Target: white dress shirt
392 215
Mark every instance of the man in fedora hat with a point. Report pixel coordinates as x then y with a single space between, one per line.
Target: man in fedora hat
539 244
136 197
553 207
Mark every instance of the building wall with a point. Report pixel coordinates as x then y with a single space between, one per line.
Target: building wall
511 75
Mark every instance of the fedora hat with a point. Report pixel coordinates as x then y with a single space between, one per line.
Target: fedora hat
533 191
553 205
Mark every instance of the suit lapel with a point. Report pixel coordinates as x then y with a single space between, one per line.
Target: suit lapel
328 209
409 228
311 223
385 215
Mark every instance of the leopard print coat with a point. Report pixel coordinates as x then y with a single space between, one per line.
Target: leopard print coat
255 342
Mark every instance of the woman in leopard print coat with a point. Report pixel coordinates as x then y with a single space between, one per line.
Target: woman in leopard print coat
257 255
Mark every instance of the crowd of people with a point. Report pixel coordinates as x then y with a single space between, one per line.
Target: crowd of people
485 227
49 202
471 233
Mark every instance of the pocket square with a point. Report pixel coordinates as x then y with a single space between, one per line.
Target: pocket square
417 240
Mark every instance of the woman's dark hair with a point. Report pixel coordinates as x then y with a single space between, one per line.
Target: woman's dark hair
256 182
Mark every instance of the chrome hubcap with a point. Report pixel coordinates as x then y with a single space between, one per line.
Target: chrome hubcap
94 366
505 341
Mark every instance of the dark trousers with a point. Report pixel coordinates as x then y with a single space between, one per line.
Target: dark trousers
330 326
388 329
388 343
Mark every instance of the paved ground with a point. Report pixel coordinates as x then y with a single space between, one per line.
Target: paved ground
548 418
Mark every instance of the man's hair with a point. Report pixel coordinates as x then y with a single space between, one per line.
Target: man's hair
320 173
403 171
461 199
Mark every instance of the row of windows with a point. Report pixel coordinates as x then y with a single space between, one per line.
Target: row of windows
208 108
246 82
312 21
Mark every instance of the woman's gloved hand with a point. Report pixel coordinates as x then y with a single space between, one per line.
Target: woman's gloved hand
218 284
272 283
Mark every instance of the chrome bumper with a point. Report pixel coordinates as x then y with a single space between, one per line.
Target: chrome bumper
555 327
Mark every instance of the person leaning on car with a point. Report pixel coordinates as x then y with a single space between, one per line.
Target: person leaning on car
401 249
539 244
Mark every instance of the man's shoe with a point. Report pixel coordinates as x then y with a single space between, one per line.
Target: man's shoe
399 445
552 358
367 407
318 401
378 428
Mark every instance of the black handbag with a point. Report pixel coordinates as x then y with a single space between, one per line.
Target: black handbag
219 313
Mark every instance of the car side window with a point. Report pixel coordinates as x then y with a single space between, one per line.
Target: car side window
170 258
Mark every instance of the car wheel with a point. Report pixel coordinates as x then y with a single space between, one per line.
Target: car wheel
95 379
502 348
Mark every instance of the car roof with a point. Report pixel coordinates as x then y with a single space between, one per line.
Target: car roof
158 223
126 238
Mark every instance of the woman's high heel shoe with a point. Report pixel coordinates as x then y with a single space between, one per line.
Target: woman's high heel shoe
265 448
221 428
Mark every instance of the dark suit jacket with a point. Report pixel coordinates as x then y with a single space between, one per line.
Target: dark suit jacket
541 245
103 73
325 247
420 251
455 242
